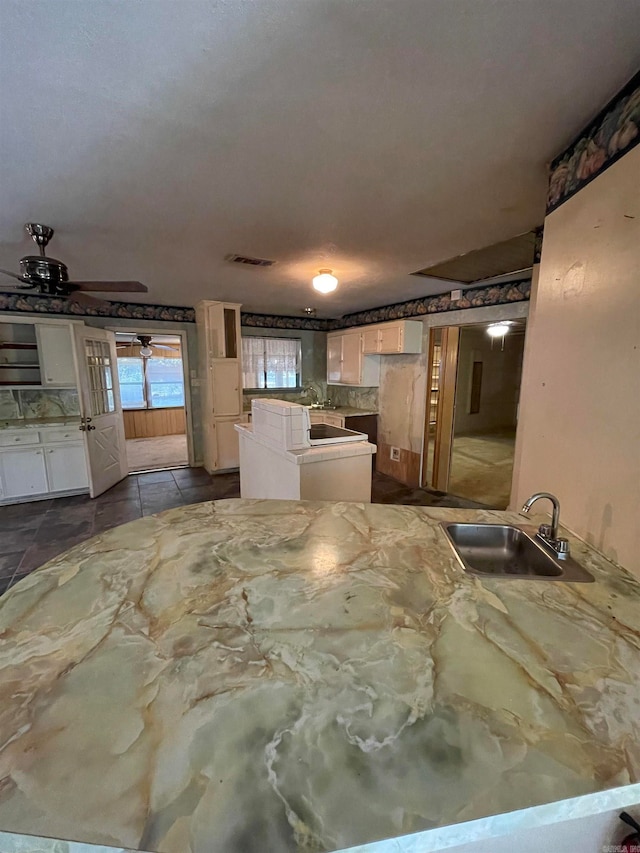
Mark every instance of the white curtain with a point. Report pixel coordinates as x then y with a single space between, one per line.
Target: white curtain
271 362
253 362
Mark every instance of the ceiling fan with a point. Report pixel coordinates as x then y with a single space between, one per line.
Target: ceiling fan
51 277
144 341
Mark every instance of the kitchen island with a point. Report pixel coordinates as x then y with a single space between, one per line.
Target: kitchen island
282 676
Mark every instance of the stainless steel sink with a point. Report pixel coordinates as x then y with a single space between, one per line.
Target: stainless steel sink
506 551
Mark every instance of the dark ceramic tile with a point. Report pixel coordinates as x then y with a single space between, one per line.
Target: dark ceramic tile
59 504
195 476
196 494
155 477
40 553
160 504
31 508
9 563
71 514
115 513
26 522
158 490
62 532
15 540
126 488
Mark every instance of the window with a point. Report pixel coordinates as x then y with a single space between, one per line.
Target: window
150 383
271 362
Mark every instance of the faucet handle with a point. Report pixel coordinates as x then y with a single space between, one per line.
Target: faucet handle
545 530
562 547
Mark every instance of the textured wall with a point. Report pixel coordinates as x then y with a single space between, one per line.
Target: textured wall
579 434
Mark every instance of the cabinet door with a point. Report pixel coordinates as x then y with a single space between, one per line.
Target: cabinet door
66 467
334 358
23 473
225 381
351 358
228 452
55 347
391 339
371 341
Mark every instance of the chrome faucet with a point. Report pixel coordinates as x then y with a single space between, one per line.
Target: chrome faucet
548 533
308 391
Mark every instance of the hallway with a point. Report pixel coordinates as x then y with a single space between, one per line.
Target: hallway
481 467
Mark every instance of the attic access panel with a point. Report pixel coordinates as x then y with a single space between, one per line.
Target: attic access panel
508 256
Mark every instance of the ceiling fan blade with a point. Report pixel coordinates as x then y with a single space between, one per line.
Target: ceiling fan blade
164 346
110 286
87 301
15 275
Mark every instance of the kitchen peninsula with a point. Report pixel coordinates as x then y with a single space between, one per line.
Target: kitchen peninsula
245 676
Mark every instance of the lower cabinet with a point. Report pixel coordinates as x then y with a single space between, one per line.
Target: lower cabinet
66 467
55 465
23 473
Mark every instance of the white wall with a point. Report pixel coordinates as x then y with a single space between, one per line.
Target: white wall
579 430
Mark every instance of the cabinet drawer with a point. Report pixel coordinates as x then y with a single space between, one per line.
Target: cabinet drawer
12 439
50 436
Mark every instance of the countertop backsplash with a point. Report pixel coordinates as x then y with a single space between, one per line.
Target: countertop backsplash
355 398
38 404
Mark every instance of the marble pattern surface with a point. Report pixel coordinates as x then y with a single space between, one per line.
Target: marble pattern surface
269 675
49 402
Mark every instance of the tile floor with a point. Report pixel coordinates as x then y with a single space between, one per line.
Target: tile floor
32 533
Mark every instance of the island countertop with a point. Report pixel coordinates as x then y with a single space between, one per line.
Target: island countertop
281 676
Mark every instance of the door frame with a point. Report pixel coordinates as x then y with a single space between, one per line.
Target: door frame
182 334
464 317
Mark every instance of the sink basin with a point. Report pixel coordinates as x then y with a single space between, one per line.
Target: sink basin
506 551
322 407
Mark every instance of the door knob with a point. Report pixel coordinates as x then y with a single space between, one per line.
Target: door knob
90 427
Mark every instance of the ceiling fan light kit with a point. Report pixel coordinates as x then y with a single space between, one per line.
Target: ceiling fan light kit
50 277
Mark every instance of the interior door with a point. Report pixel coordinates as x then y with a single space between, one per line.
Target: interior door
102 422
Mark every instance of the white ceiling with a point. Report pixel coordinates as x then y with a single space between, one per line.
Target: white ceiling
373 137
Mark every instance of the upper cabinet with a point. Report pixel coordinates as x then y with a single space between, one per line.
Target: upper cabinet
398 336
39 354
347 364
55 347
351 354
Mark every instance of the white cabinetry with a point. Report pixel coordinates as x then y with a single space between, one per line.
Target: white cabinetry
221 378
398 336
37 463
23 473
346 364
55 350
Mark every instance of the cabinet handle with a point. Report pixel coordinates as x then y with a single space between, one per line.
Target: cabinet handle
38 453
51 451
17 438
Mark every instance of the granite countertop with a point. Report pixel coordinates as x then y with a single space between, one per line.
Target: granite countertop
347 411
246 676
38 423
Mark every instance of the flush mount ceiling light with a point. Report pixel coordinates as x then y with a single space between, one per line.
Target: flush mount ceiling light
498 330
325 282
310 312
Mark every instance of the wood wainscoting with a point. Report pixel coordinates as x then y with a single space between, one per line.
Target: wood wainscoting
148 423
406 469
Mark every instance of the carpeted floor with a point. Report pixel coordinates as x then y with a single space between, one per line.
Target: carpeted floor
481 468
151 454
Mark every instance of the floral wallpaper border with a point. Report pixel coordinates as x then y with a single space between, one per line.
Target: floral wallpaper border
613 132
123 310
274 321
472 297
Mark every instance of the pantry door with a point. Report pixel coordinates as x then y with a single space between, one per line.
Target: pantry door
102 423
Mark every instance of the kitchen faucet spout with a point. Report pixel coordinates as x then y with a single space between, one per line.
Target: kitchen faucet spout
549 532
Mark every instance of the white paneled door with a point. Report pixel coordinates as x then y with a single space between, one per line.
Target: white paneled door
102 422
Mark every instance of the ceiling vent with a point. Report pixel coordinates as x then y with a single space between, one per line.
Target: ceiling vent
509 256
249 262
